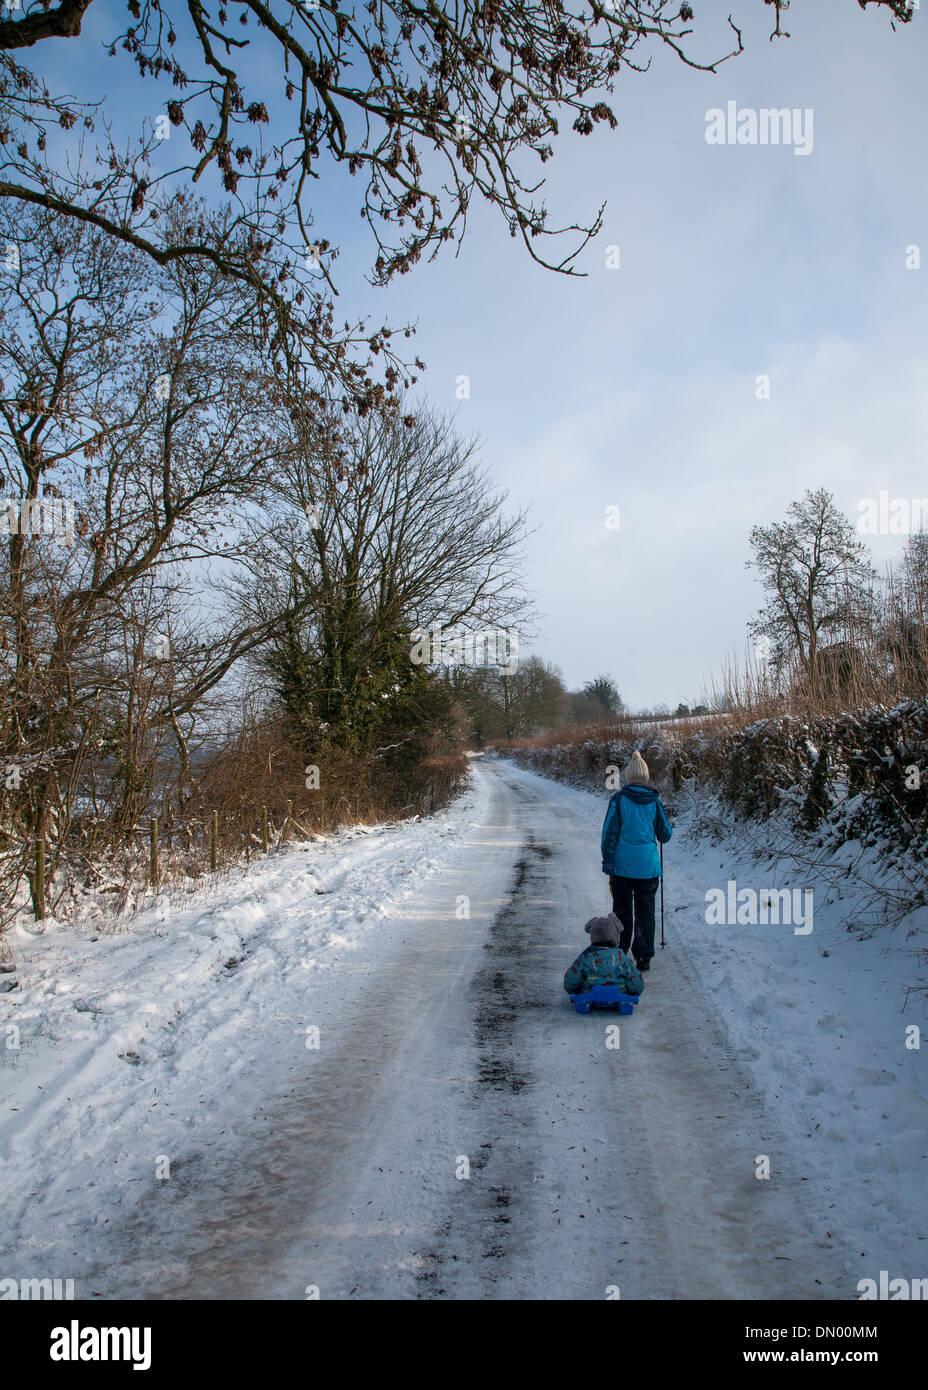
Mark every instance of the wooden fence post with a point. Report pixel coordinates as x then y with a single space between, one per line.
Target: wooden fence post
153 859
289 817
214 842
38 892
264 836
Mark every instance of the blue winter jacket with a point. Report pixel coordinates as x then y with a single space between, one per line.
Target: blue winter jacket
600 964
633 818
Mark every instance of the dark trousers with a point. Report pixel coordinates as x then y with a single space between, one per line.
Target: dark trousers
633 904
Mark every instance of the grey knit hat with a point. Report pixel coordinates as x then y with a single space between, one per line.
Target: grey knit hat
604 931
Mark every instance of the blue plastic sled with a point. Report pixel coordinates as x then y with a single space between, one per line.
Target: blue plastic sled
605 997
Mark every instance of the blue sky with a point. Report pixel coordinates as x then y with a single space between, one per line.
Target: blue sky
636 387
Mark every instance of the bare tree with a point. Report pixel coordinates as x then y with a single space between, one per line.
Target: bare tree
355 557
819 581
138 414
904 627
512 704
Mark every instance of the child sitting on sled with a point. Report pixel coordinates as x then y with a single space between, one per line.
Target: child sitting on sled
603 962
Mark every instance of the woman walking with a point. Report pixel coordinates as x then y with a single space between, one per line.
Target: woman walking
632 860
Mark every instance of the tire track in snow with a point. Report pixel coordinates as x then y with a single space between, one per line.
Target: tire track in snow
514 981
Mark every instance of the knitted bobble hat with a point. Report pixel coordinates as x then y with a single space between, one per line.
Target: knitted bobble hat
637 770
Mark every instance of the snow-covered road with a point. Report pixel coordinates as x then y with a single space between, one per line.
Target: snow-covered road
458 1132
591 1168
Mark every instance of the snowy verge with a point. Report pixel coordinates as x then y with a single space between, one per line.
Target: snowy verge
115 1049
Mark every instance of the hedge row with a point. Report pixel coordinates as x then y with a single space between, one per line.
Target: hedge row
860 776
